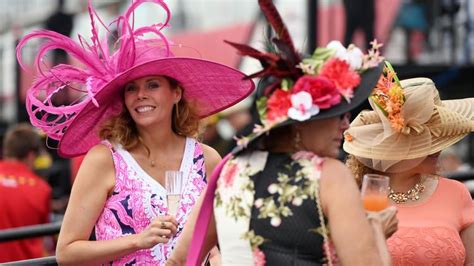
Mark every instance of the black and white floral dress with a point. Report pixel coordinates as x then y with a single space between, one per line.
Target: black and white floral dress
267 210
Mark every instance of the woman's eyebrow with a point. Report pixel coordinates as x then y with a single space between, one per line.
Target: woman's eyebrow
153 79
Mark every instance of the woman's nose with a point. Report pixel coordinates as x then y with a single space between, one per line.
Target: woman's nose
141 93
345 121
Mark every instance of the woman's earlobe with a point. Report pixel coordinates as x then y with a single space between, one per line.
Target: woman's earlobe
179 94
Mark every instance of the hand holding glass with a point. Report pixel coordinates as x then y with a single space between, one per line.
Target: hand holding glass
174 187
375 192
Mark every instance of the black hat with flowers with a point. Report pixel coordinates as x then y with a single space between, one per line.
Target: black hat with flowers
330 82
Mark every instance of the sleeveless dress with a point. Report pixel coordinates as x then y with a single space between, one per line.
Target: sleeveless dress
428 233
137 199
267 210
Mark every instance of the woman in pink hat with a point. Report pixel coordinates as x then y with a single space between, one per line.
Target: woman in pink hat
136 118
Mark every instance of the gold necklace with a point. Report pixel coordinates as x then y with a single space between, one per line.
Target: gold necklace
412 194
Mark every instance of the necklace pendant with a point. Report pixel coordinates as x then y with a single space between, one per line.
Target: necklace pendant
411 195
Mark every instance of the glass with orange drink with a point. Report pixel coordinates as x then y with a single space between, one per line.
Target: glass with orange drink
375 192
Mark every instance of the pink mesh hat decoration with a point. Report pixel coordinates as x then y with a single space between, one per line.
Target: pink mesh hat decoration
106 66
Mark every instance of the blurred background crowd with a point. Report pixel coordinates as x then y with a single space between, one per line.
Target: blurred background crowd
422 38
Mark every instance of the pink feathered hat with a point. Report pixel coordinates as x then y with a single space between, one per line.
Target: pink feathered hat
102 75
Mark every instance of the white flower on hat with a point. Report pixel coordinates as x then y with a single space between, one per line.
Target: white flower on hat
302 106
341 51
352 55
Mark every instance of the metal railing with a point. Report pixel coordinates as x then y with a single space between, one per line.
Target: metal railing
30 231
40 261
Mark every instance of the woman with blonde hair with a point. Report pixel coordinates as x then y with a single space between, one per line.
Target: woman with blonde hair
402 137
138 118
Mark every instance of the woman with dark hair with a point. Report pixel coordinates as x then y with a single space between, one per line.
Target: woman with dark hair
281 197
138 119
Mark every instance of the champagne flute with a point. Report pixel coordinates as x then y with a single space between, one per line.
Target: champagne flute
174 187
375 192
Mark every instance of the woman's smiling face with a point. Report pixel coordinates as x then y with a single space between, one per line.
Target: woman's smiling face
150 100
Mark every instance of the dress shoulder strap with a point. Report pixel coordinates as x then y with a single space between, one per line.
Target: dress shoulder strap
109 145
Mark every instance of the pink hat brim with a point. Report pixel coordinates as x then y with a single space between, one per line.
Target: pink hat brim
211 86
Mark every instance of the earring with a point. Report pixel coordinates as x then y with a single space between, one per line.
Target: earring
177 110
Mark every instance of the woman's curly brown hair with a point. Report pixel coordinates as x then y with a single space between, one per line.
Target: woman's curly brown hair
122 130
357 168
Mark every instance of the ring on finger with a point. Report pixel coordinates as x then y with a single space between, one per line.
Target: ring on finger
163 224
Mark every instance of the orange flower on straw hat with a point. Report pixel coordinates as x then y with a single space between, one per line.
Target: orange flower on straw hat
389 97
424 124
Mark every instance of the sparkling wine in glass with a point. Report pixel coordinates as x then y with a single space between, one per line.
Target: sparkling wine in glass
174 187
375 192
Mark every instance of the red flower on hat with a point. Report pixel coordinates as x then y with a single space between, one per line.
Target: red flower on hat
323 91
278 105
339 72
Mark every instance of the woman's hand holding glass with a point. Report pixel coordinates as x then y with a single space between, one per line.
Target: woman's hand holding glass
375 198
164 227
158 231
387 218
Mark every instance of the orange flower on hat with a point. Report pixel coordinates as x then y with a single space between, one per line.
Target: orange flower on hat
388 96
348 137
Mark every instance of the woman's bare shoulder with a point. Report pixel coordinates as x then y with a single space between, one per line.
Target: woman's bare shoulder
335 174
97 166
335 170
99 154
211 157
210 154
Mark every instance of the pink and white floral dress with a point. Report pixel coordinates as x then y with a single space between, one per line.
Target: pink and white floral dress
137 199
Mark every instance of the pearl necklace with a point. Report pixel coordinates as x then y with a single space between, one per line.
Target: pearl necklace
412 194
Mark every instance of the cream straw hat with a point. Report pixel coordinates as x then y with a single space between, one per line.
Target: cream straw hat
425 125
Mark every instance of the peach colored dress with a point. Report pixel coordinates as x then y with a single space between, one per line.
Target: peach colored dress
429 233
